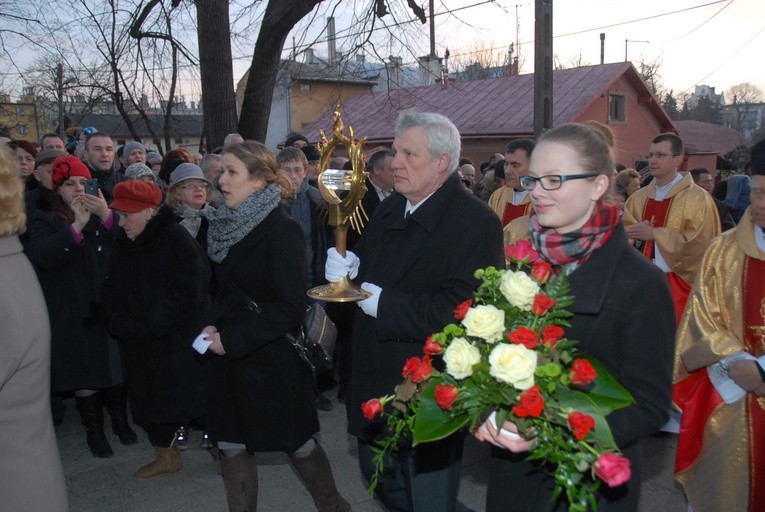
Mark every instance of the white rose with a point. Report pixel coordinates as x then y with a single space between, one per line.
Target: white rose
485 321
460 357
519 289
514 364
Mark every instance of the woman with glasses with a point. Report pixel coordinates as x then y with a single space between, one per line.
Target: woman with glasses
623 313
25 153
190 193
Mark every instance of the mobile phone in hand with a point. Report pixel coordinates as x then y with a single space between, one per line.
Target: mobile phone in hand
91 187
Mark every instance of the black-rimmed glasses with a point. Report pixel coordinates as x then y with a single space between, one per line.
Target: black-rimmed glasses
552 181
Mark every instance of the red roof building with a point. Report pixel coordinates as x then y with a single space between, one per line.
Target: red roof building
491 112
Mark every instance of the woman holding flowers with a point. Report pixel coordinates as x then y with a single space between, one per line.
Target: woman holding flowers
622 315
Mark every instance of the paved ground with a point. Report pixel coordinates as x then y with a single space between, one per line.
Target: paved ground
107 485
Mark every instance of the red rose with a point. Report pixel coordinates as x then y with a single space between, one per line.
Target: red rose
551 334
521 251
542 304
445 396
371 409
524 336
581 424
582 372
530 403
461 310
432 347
613 469
541 271
417 369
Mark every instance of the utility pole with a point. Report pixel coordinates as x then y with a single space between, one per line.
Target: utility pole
543 70
432 30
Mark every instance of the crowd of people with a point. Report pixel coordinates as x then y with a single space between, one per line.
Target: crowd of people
171 286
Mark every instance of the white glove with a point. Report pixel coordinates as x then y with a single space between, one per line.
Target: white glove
369 305
337 266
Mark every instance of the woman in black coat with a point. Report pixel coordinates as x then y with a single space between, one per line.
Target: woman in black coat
623 314
71 239
262 398
155 297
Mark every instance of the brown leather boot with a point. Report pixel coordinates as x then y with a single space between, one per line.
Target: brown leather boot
317 475
240 478
168 461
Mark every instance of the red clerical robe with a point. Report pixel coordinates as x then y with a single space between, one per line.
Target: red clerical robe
721 448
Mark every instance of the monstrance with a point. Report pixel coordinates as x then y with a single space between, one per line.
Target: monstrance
343 191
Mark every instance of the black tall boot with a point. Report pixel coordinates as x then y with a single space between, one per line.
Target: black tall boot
116 404
92 413
240 478
317 475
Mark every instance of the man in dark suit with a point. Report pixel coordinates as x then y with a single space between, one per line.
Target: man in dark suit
417 258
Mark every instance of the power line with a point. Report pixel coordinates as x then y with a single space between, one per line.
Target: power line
726 61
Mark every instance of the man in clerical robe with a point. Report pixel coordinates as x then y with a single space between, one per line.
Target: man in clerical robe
672 220
719 376
511 201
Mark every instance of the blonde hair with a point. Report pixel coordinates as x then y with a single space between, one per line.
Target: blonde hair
13 219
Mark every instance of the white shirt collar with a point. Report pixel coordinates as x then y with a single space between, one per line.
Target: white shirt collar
409 208
759 237
662 191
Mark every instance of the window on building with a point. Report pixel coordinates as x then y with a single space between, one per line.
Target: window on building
179 141
22 130
305 87
20 111
617 108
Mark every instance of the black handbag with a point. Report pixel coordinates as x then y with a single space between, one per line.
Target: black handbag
315 343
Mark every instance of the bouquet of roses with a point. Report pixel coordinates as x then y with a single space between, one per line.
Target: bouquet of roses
508 358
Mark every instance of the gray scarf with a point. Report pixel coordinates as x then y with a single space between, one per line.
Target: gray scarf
191 218
228 226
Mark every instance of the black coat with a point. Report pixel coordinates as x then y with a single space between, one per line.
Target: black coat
318 233
83 355
156 296
623 315
262 393
424 265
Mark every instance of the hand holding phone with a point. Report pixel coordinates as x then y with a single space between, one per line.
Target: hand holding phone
91 187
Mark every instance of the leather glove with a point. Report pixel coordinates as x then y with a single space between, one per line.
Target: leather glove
369 305
337 266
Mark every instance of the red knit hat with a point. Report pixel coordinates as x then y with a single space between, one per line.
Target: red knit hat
133 196
64 167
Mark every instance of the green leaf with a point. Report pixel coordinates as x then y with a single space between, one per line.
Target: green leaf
433 423
582 402
606 391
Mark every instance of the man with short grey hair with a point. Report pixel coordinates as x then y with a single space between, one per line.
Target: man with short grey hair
413 296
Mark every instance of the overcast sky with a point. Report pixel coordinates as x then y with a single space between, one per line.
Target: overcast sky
717 43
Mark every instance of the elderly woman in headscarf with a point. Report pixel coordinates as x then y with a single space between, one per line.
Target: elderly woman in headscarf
155 296
71 239
737 196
